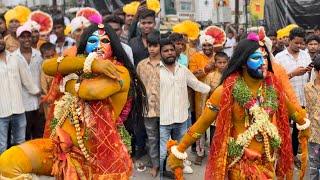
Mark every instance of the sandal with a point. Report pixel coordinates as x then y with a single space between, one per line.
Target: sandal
141 167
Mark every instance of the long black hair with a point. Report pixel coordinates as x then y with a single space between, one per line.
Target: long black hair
240 56
137 89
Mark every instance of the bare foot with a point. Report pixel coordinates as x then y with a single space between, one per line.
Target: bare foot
154 171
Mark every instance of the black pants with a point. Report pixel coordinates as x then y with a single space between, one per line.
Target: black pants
212 129
193 120
35 125
295 141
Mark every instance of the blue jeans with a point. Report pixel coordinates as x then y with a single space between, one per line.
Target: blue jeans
189 120
18 124
176 132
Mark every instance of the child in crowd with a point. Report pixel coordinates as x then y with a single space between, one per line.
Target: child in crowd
213 80
149 73
48 50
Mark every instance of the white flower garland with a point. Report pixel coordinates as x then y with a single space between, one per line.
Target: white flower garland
65 80
261 124
66 104
62 109
62 105
177 154
88 62
304 126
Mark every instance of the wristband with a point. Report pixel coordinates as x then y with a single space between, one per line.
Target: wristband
304 126
177 154
65 80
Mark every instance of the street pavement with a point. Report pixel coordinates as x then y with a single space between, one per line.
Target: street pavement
198 171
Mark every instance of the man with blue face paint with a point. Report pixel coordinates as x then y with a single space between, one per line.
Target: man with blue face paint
91 135
254 65
99 42
250 110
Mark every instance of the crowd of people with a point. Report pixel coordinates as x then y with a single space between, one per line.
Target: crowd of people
173 85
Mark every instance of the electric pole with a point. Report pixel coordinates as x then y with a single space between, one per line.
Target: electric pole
236 19
54 4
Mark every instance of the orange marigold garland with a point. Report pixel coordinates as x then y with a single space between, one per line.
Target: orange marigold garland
178 172
304 157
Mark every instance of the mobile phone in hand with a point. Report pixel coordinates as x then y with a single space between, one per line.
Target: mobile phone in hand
311 65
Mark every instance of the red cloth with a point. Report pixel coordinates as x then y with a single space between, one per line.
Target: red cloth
217 162
110 154
53 94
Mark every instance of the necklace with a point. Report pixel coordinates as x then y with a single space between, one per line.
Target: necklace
266 96
259 108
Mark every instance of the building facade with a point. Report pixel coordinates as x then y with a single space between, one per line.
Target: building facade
31 3
204 10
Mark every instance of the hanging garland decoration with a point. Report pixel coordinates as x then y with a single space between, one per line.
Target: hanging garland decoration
259 108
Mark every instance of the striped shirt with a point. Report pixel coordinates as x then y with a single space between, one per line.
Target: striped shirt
290 64
174 101
31 102
12 75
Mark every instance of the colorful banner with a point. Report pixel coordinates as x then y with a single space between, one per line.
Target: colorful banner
257 8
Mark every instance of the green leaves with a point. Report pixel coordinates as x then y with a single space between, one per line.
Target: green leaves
53 123
234 149
241 92
125 137
271 98
243 95
275 143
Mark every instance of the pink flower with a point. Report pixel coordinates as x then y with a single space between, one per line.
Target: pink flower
95 18
253 37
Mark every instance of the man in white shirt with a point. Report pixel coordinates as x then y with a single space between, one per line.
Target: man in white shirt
12 75
174 103
32 60
296 62
230 44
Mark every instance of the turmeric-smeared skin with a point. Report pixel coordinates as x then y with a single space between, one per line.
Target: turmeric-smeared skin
36 156
208 116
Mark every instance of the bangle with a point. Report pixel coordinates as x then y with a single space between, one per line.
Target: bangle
65 80
194 134
88 62
177 154
304 126
212 107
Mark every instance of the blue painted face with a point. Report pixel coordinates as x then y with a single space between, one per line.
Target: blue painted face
92 43
254 62
99 42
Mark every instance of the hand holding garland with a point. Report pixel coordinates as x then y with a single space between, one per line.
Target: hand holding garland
299 115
